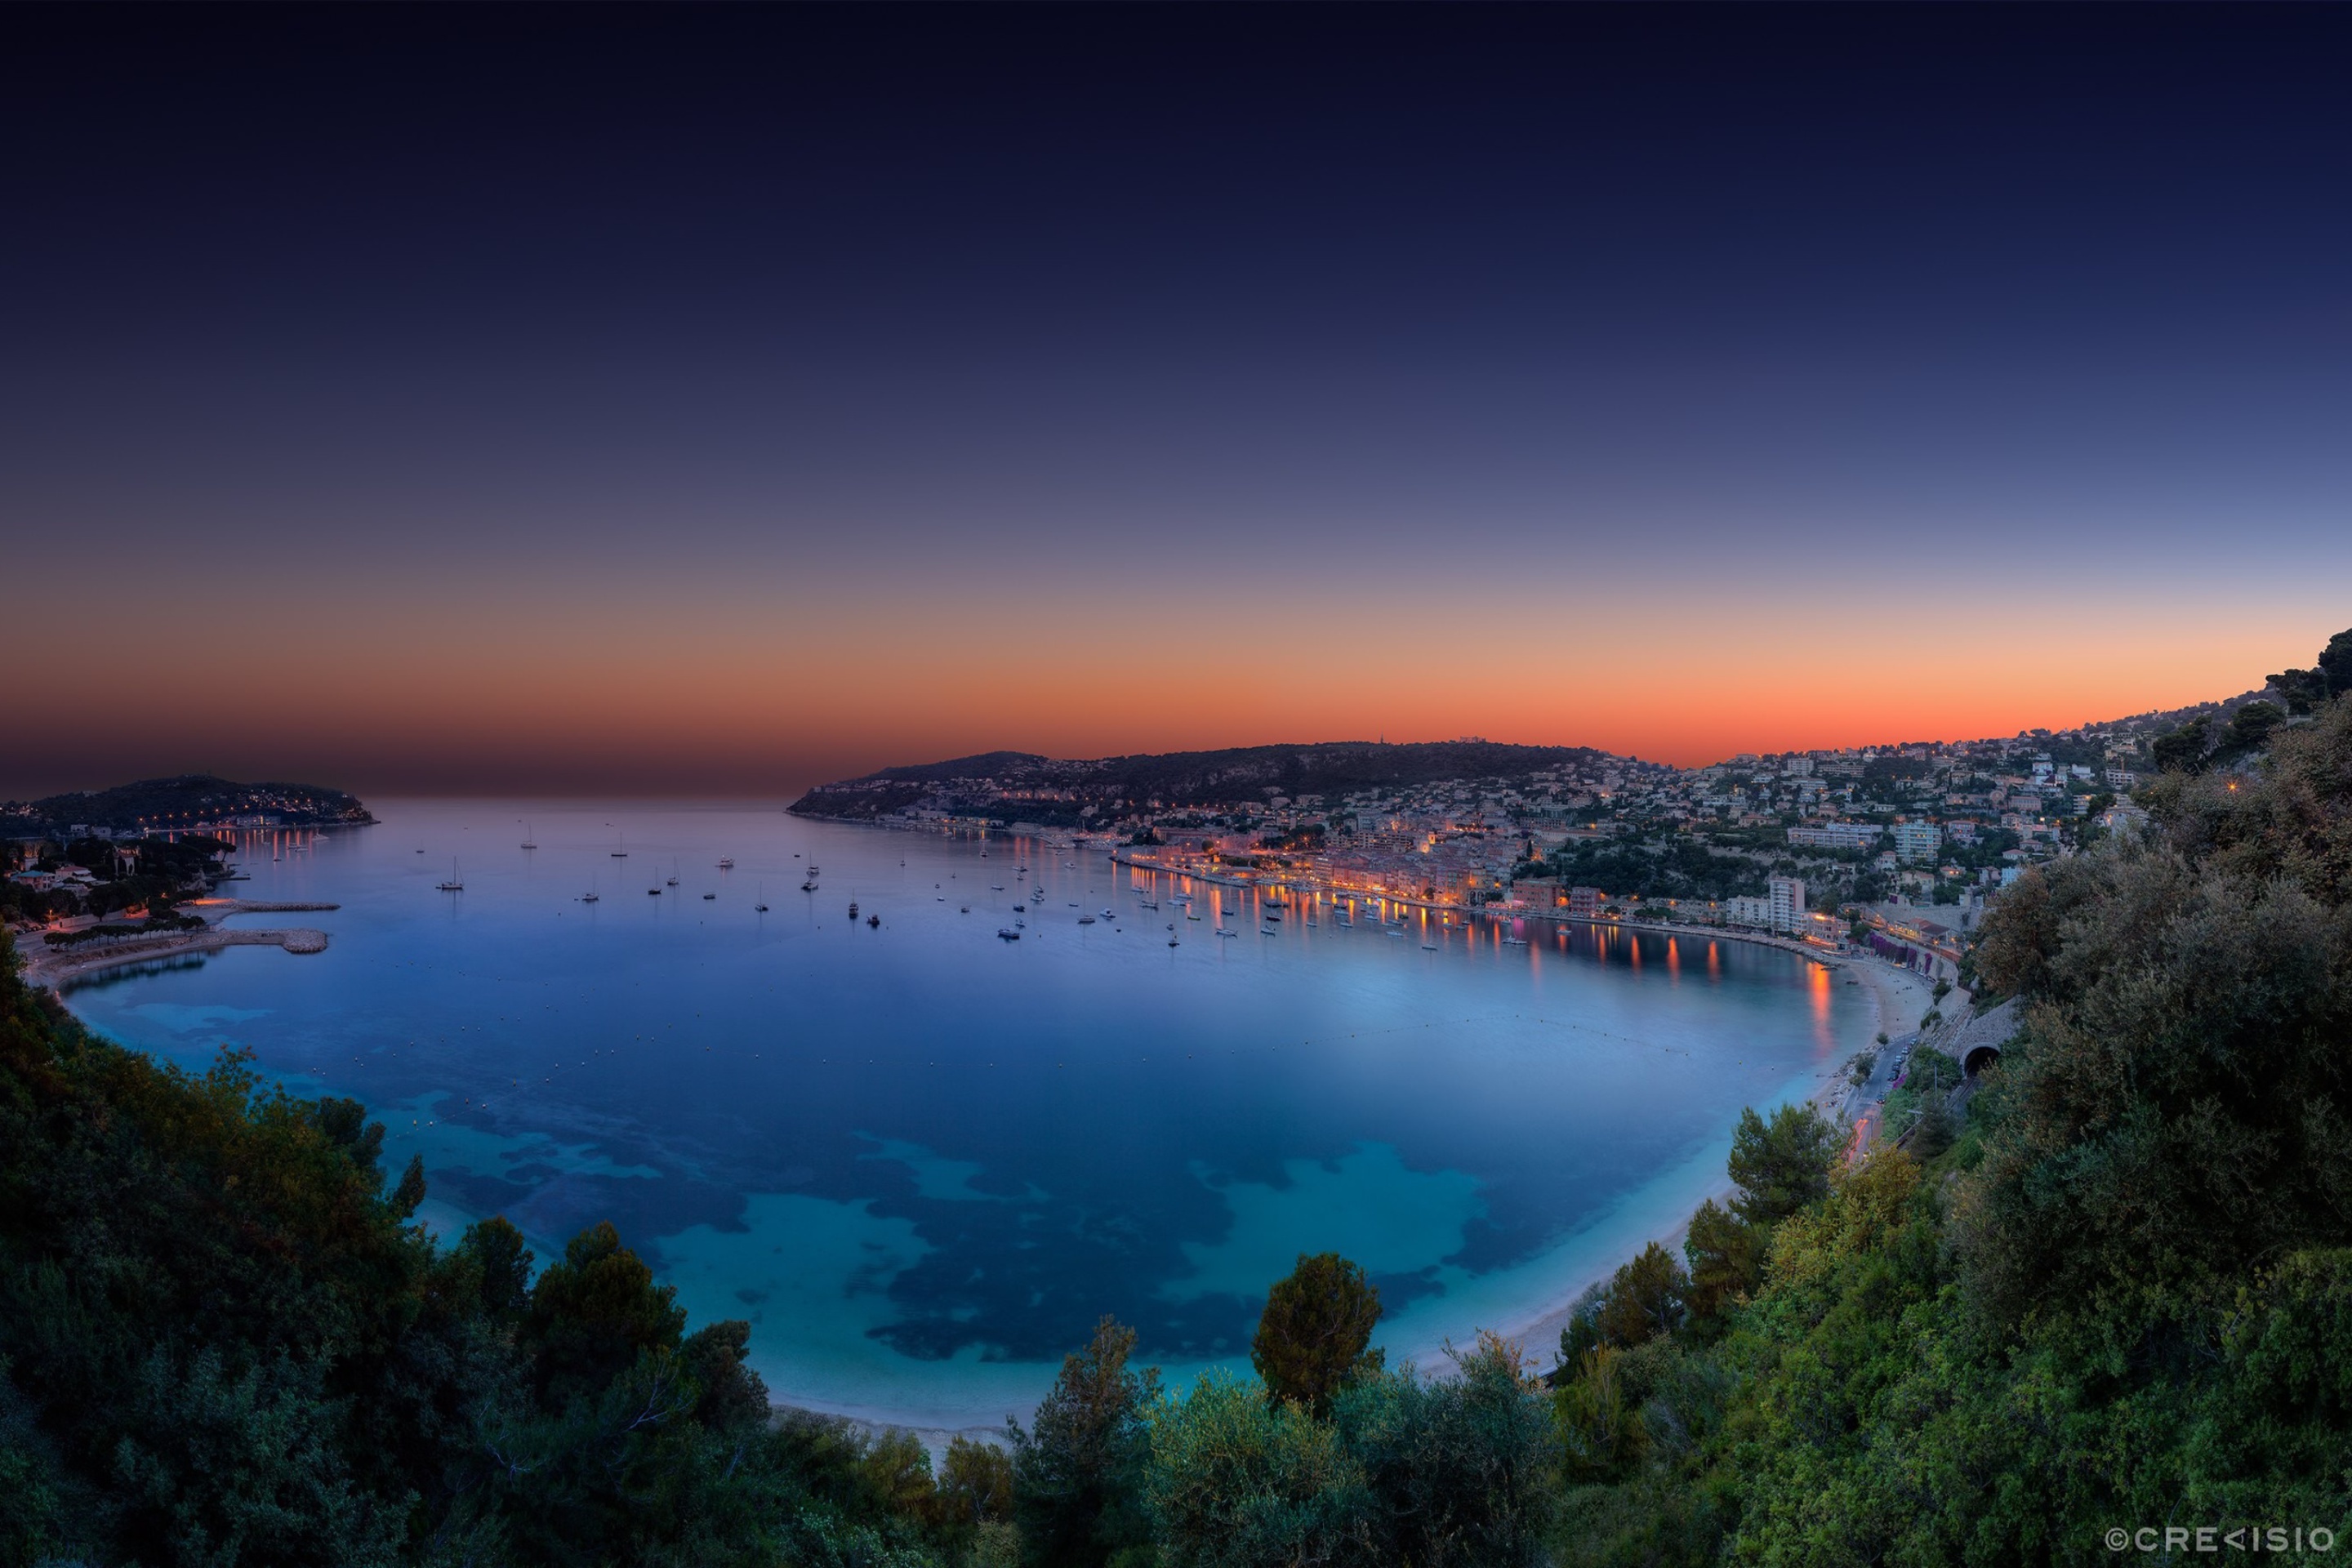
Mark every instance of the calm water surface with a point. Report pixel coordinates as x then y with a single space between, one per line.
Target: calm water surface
922 1161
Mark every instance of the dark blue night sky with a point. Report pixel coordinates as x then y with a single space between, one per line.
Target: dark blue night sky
459 347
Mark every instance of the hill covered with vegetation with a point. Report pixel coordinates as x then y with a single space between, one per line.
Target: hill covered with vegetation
183 801
1050 789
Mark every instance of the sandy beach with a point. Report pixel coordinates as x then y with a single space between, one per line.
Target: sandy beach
1903 996
1538 1333
1899 996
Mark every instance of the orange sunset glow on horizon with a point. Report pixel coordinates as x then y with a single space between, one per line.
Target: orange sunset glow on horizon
765 709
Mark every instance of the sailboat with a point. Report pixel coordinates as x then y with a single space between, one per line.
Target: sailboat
590 896
623 852
453 885
527 837
673 873
762 905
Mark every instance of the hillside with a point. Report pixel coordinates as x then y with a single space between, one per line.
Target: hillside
1049 789
184 800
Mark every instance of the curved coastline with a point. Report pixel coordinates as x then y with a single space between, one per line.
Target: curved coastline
59 966
1659 1211
1532 1295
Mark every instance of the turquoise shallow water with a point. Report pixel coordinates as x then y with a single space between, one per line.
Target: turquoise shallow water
922 1161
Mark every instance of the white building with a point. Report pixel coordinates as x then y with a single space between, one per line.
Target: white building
1785 898
1744 909
1836 835
1918 843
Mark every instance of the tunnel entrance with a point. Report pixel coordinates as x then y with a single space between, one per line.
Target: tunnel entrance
1976 1060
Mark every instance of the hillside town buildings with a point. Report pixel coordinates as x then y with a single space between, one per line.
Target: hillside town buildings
1898 846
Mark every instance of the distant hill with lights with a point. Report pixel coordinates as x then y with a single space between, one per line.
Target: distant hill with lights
1050 789
1021 786
184 800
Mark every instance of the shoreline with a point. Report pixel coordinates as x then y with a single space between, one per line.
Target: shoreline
1898 999
1125 854
1536 1333
54 966
1490 913
1534 1321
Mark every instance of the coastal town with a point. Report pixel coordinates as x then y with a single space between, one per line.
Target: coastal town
107 876
1900 848
1897 849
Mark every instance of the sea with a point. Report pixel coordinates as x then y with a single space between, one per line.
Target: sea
922 1160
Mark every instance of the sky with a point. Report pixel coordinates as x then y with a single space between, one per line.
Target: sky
715 400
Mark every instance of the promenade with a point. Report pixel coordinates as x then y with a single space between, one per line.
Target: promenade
1126 855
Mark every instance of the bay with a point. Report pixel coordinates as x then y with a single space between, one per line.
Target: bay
921 1161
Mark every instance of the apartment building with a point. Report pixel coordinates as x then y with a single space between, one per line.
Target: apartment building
1918 843
1836 835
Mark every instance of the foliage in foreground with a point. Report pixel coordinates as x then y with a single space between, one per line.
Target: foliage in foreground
2122 1298
223 1340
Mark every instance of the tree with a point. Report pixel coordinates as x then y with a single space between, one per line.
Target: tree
1933 1132
1460 1469
1601 1434
2182 751
411 1191
1727 1260
1580 1335
1078 1467
1781 1165
716 1356
1646 1298
975 1489
2304 689
593 1313
2336 663
1315 1336
2249 731
896 1472
500 1264
1237 1480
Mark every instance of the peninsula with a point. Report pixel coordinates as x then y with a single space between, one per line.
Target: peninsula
129 874
185 803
